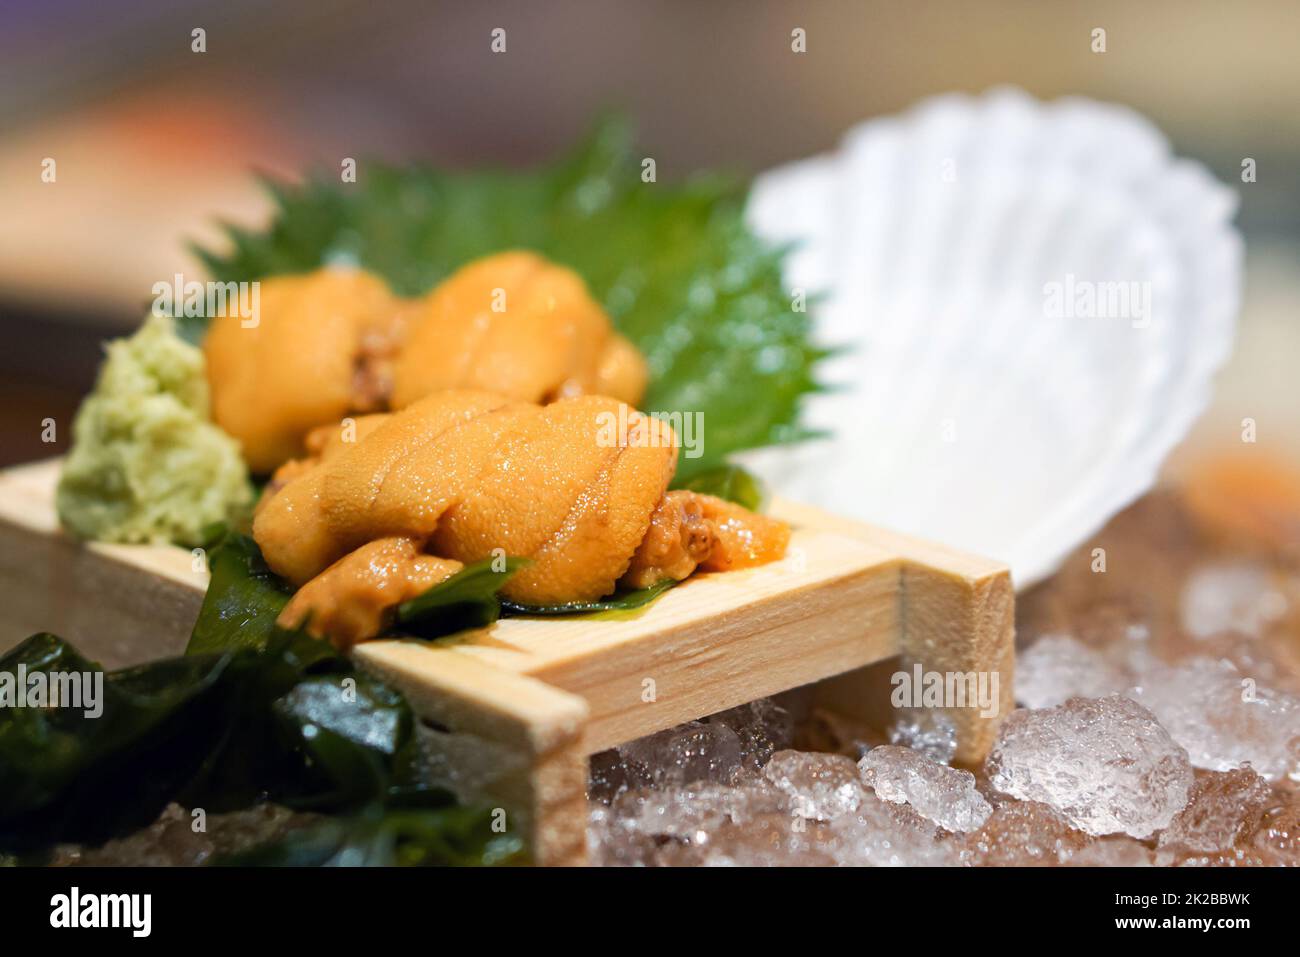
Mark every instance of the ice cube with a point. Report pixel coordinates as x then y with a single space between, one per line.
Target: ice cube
611 843
694 751
1277 839
1238 596
1111 852
1105 763
762 727
692 812
1023 834
610 775
749 823
1223 718
1222 808
942 794
775 839
818 786
930 730
880 834
1057 667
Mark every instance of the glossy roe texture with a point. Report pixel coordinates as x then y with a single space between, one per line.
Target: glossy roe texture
336 343
466 476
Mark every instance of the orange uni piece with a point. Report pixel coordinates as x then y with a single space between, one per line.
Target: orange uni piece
466 476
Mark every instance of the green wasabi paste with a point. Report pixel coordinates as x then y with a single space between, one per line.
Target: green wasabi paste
147 464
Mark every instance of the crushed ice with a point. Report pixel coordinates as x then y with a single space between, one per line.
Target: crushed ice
945 795
1159 724
1106 764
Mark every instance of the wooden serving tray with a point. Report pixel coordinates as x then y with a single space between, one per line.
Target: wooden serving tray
517 707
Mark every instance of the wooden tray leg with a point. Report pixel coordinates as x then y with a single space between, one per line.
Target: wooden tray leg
500 739
963 627
956 623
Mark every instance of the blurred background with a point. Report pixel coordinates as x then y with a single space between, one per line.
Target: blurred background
155 142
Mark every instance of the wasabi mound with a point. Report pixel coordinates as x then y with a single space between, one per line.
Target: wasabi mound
147 464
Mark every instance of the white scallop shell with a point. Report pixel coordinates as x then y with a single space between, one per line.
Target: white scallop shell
976 406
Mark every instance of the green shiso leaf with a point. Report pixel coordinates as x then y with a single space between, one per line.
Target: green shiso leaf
468 599
619 601
674 265
730 482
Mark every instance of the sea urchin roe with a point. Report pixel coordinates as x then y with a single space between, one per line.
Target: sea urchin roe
690 531
741 538
353 599
677 540
467 476
146 465
520 326
335 343
321 347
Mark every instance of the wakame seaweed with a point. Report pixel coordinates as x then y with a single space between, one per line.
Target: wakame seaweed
208 730
243 599
468 599
67 776
291 722
619 601
380 836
